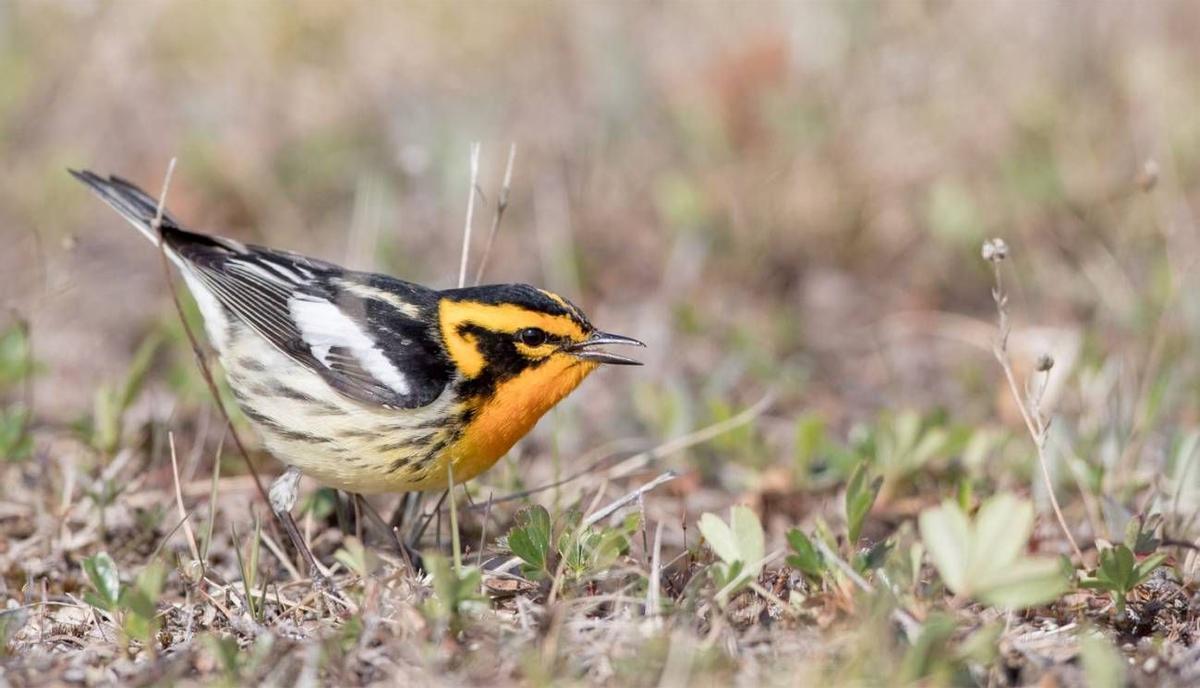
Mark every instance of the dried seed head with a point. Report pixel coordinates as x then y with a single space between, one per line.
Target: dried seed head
1045 362
994 250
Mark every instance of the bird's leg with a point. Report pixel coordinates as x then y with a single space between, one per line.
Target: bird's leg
344 512
407 512
410 555
283 498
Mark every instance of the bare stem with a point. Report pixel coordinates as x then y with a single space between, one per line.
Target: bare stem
1029 406
183 514
466 242
501 206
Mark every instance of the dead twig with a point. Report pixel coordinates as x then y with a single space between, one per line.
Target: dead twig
606 511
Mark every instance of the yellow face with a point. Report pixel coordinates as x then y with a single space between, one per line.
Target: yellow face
517 357
534 335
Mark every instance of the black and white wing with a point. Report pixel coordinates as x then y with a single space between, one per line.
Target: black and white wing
371 337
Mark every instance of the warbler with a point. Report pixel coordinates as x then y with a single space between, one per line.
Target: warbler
365 382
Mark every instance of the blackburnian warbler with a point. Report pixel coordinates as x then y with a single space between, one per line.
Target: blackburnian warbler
365 382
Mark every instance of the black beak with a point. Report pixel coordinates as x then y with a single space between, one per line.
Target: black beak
587 350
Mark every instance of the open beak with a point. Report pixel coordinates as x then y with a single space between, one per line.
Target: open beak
588 351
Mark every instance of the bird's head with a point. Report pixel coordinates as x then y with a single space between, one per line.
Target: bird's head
500 332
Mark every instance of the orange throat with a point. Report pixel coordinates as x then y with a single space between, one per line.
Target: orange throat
510 413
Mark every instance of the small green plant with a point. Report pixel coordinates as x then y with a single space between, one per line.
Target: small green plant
135 608
1119 573
860 497
543 545
905 443
740 546
111 401
805 557
16 360
16 366
16 443
984 559
529 539
593 548
238 664
1141 534
455 586
455 592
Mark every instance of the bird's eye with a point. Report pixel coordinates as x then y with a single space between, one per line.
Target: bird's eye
532 336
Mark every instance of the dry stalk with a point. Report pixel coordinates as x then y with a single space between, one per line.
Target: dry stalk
183 514
501 206
995 251
466 242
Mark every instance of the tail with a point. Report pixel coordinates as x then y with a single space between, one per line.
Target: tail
141 210
132 203
185 248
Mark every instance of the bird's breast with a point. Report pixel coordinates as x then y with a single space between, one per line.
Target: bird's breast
511 411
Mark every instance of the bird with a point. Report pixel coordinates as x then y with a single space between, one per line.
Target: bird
365 382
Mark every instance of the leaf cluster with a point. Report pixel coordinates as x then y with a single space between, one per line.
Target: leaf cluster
542 544
134 607
740 547
983 558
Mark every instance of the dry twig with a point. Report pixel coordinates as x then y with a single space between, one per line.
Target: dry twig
501 206
995 252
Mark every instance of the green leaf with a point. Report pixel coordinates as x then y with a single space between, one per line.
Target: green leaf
947 535
1002 529
751 543
1146 566
102 572
15 442
806 558
530 540
15 363
860 497
985 559
452 590
1023 583
810 437
740 545
147 590
719 537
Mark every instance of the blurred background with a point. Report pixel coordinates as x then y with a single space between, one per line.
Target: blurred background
782 198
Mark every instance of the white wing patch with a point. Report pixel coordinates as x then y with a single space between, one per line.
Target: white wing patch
323 327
